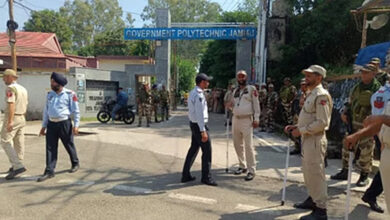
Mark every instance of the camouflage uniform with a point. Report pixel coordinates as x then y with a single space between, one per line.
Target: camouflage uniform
164 98
144 104
262 101
155 101
287 95
382 77
271 104
361 108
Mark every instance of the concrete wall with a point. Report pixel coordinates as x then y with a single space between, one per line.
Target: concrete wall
163 52
119 65
243 56
37 85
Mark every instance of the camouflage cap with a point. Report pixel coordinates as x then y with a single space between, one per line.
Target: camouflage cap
375 59
369 68
287 79
263 84
303 81
270 85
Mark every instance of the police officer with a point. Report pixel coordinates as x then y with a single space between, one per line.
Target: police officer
144 100
360 107
164 98
287 95
198 115
12 132
121 102
246 115
378 102
271 105
377 124
313 121
61 104
155 101
262 101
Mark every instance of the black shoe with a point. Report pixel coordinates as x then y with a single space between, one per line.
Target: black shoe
74 168
14 173
307 204
249 177
373 205
209 182
316 214
45 177
240 171
187 179
363 180
295 151
10 170
342 175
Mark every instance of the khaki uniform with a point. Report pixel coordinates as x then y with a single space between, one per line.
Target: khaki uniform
16 94
144 105
384 136
313 120
246 108
361 108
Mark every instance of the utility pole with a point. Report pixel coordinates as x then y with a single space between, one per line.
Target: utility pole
260 43
12 26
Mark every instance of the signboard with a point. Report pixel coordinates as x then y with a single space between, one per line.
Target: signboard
218 33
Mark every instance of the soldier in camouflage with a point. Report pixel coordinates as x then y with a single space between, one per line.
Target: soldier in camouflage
296 109
360 107
271 105
155 101
287 95
144 100
381 75
164 99
262 101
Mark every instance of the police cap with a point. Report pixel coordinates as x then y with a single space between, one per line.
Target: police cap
202 76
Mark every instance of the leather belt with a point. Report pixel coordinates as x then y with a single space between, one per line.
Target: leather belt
19 114
58 119
243 116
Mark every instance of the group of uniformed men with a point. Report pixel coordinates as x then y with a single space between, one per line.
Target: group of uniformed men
309 125
149 101
61 104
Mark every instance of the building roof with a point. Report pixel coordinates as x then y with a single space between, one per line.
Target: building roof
104 57
34 44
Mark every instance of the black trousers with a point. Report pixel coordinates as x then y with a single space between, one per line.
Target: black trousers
196 143
376 187
54 131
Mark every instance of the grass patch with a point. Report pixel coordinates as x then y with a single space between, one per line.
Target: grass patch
88 119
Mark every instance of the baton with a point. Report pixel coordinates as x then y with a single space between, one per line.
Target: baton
286 171
348 198
227 145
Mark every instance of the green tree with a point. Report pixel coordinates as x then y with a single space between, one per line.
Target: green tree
187 73
50 21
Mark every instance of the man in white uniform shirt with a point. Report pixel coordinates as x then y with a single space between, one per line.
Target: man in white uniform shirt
198 116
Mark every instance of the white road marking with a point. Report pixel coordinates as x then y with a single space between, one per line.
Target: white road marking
133 189
192 198
33 178
75 182
266 143
246 207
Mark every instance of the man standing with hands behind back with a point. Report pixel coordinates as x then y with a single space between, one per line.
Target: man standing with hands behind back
61 103
246 115
198 115
12 132
313 121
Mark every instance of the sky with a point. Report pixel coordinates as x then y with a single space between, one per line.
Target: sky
133 6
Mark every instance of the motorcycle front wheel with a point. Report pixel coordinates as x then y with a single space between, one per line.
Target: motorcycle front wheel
103 116
129 117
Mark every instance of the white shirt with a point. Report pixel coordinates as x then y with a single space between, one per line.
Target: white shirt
197 108
379 100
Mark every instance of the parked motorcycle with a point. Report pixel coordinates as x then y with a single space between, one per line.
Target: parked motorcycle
124 114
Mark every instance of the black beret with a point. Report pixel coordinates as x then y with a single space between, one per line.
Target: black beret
59 78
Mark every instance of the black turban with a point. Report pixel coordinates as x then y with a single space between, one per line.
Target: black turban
59 78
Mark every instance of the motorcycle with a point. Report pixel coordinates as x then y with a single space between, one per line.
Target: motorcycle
125 114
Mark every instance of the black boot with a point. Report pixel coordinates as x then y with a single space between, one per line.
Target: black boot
373 205
307 204
342 175
363 180
316 214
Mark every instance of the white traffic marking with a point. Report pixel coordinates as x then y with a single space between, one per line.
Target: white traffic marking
133 189
33 178
3 175
75 182
266 143
246 207
269 211
192 198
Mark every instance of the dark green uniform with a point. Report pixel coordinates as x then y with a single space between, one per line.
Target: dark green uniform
382 77
144 104
164 99
155 102
287 95
360 107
